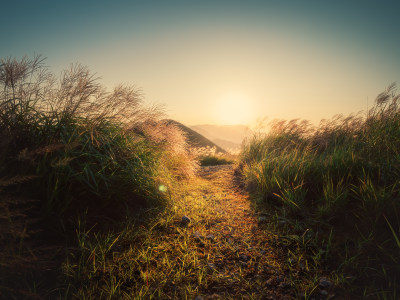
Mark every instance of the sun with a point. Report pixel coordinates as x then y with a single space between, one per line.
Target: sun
232 109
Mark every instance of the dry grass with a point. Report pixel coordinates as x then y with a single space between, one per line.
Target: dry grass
339 180
72 153
222 253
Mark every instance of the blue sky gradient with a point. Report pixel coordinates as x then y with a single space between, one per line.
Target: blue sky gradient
284 59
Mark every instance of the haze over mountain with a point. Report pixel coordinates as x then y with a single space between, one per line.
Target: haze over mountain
196 139
229 137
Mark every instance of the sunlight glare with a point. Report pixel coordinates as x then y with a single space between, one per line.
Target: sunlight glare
233 109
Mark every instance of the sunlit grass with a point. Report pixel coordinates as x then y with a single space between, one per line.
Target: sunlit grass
339 183
75 150
214 161
168 259
94 188
209 157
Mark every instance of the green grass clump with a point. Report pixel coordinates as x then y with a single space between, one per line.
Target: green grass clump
212 160
69 148
85 146
211 156
339 180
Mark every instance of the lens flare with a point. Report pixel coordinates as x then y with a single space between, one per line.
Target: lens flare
233 109
162 188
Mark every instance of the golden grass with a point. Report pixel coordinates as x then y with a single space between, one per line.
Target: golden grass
167 259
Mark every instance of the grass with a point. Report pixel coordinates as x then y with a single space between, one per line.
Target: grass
137 262
208 156
84 146
71 153
94 184
167 259
214 161
337 183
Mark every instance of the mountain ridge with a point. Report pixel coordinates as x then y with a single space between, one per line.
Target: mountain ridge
229 137
195 138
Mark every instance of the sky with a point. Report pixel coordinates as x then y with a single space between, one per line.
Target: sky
220 62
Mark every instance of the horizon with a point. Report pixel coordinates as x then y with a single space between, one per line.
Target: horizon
224 63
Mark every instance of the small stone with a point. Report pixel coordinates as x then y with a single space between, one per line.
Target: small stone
243 258
199 298
185 220
210 237
211 266
243 264
197 235
324 283
271 281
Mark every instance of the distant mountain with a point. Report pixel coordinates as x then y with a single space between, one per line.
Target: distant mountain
229 137
196 139
227 145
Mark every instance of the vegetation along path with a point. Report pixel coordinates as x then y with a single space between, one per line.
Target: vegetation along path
210 244
99 200
226 236
214 246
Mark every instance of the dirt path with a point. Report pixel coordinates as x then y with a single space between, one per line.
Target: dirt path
222 251
242 261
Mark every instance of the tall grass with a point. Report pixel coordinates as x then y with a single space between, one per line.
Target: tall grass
342 180
72 152
86 146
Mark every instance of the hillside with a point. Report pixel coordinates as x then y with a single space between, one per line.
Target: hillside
227 145
102 199
229 137
196 139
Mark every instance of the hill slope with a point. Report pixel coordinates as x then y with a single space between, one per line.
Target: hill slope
227 145
231 133
195 139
